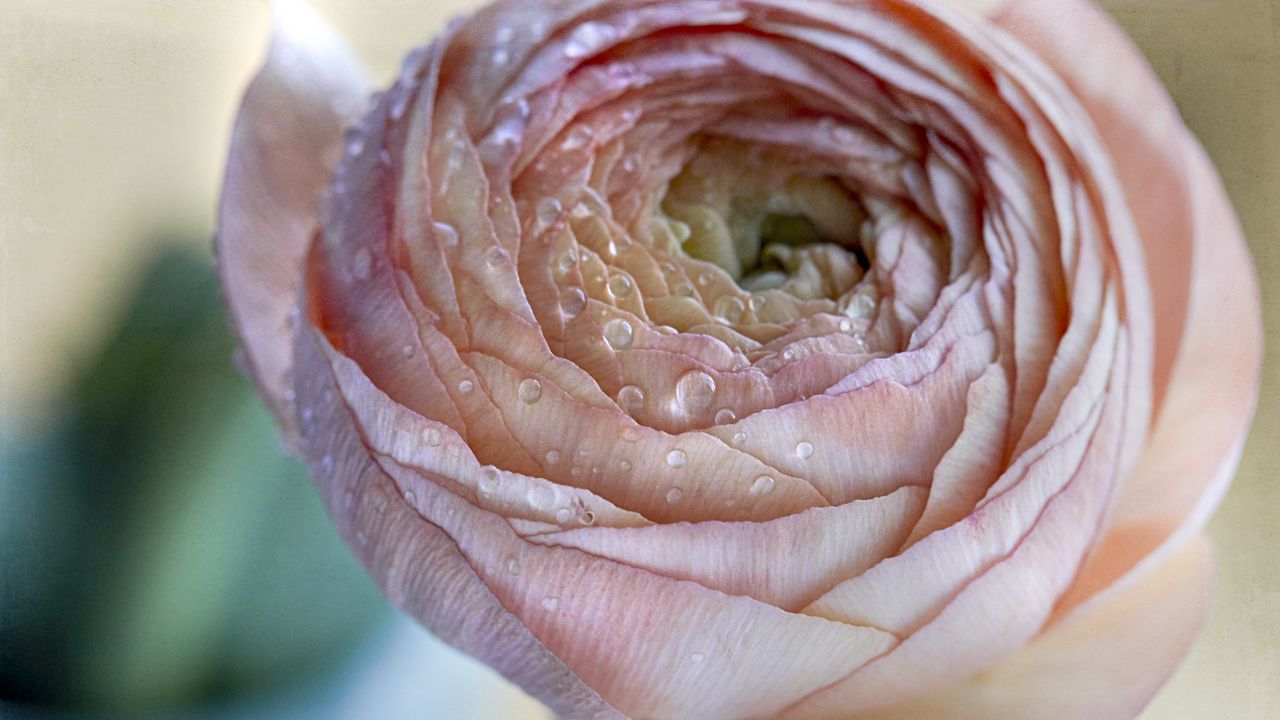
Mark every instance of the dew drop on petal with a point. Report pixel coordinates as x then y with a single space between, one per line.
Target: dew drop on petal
620 285
564 515
804 450
466 386
674 495
630 399
550 604
697 658
763 485
677 459
625 466
630 434
548 211
684 288
618 333
568 260
572 302
432 436
495 257
513 566
587 518
488 481
729 308
407 351
681 230
410 497
695 391
541 497
553 457
530 391
725 416
739 438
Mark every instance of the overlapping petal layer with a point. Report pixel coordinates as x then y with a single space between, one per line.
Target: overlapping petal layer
755 358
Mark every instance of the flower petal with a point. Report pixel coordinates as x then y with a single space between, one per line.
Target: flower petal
286 140
1209 333
1103 662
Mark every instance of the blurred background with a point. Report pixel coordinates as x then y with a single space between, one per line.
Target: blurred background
159 557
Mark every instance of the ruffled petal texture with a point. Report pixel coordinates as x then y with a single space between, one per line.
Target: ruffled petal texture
762 358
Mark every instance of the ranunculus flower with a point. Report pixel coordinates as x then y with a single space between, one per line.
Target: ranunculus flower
757 358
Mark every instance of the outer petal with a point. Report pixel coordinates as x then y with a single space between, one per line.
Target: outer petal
1103 662
286 140
1209 332
420 567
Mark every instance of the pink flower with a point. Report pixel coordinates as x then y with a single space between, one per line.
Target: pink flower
757 358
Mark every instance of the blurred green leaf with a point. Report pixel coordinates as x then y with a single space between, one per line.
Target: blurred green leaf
158 550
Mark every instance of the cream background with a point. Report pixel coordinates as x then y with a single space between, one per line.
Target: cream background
114 116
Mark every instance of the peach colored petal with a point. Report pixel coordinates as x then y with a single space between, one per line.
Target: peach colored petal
1102 662
420 567
1202 279
759 560
286 140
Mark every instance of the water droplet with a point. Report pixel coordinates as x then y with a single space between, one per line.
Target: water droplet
577 137
326 464
407 351
550 604
763 485
681 230
789 354
575 471
488 481
445 234
846 325
620 285
630 434
618 333
568 260
564 515
513 566
630 399
553 457
362 264
587 38
704 279
729 308
697 658
409 497
695 391
572 302
587 518
541 497
629 165
725 416
384 156
677 458
432 436
666 330
466 386
739 438
684 288
756 302
501 56
674 495
625 466
530 391
804 450
495 256
548 211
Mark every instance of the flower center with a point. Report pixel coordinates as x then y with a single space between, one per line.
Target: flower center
767 224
